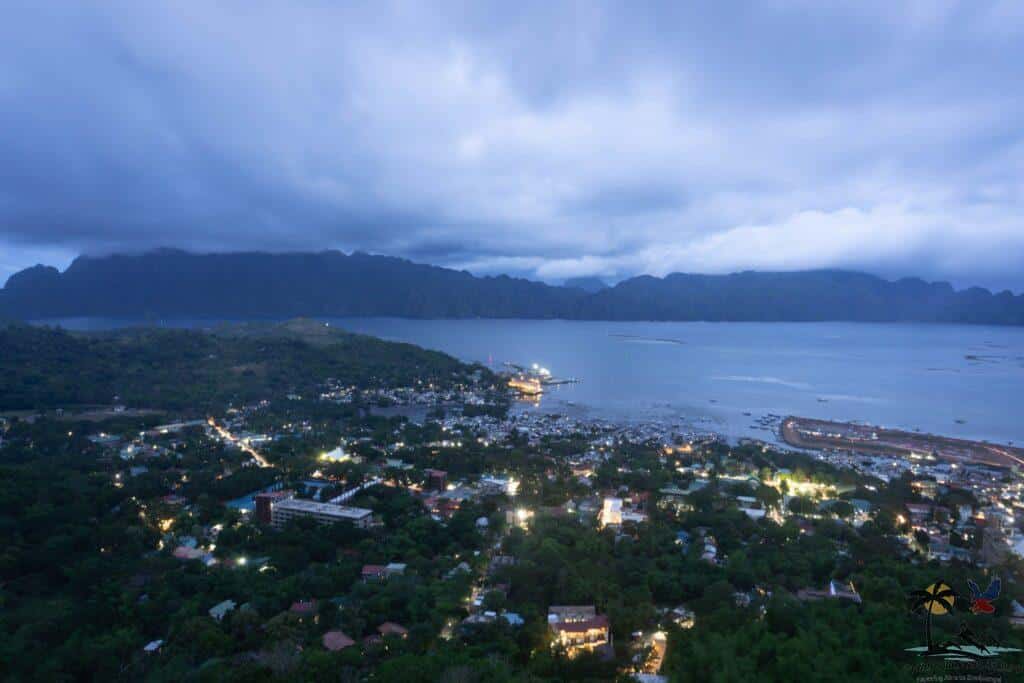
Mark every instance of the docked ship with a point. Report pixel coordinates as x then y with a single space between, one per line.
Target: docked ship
526 386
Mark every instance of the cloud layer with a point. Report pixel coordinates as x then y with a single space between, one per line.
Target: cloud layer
543 139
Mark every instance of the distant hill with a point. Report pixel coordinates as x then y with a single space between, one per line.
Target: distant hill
197 370
176 284
591 285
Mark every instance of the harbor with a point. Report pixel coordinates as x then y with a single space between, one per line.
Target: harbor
530 382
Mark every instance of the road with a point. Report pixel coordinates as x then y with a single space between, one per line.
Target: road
228 436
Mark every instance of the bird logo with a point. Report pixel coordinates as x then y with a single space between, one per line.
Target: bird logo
981 603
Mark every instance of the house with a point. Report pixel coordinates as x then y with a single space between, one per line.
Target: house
221 609
919 513
390 628
335 455
683 617
442 507
862 509
513 618
614 513
436 479
305 609
489 617
710 552
750 506
964 514
674 498
578 628
1016 614
611 512
374 572
183 552
835 591
336 641
153 646
493 485
944 552
460 568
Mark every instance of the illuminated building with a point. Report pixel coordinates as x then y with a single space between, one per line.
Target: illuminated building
578 628
335 455
611 512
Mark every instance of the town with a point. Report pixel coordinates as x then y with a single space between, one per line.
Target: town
415 526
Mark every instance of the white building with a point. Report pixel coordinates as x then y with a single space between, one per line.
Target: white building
324 513
335 455
611 512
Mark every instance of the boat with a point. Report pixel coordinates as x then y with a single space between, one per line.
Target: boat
526 386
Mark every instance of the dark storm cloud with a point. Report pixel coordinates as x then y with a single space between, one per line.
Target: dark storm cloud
541 139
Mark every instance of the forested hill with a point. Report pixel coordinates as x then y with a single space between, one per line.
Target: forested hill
176 284
191 370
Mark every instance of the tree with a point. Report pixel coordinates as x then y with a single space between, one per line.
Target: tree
801 505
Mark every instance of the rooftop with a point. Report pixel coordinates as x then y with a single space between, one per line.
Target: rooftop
327 509
336 640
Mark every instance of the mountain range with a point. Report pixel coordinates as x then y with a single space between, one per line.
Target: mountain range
168 283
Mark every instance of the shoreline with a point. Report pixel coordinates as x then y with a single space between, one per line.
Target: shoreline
823 435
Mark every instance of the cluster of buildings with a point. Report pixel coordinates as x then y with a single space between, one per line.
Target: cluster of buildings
615 512
423 394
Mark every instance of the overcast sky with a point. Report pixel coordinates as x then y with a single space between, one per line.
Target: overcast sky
542 139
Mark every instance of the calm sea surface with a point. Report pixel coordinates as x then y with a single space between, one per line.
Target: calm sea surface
964 381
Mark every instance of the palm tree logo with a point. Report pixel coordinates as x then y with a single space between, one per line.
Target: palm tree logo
936 599
939 599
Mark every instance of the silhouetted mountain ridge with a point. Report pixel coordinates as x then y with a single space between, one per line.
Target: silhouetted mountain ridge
170 283
590 285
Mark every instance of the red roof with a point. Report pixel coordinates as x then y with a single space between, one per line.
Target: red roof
304 607
185 553
390 628
336 640
374 570
599 621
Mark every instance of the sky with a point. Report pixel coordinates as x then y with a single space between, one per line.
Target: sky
541 139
